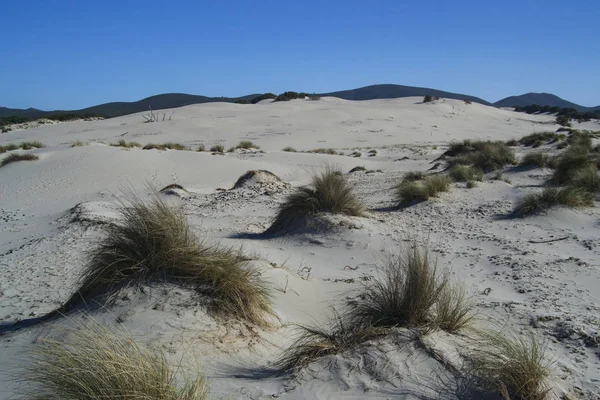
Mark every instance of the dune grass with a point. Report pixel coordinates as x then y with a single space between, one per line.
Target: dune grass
587 179
324 151
464 173
164 146
217 148
246 144
535 203
571 162
201 148
93 362
471 184
485 155
125 144
78 143
153 242
413 176
329 191
536 159
539 138
409 293
290 149
32 145
409 192
515 366
14 157
8 147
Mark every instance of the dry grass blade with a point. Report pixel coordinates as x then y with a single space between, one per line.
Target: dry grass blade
516 365
153 241
95 363
315 342
405 294
328 192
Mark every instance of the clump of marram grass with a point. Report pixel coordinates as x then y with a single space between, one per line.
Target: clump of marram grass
514 366
587 179
290 149
535 203
125 144
539 138
201 148
78 143
328 191
93 362
409 192
454 310
8 147
32 145
218 148
324 151
537 159
463 173
14 157
485 155
573 160
164 146
153 242
246 144
413 176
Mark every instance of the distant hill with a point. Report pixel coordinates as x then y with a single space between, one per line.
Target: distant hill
389 91
542 99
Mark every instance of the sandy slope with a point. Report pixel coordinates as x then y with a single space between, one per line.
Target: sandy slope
553 286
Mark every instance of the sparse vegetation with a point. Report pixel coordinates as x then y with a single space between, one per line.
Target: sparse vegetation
324 151
512 143
463 173
372 153
537 159
246 144
428 98
471 184
587 179
539 138
563 120
78 143
32 145
512 365
289 149
201 148
409 192
413 176
164 146
95 363
357 169
153 241
14 157
485 155
328 191
356 154
217 148
535 203
125 144
8 147
570 162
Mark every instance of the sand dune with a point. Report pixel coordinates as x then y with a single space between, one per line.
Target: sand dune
52 211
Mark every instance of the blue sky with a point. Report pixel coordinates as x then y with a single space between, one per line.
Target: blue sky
78 53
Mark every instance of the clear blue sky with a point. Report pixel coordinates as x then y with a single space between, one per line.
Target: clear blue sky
76 53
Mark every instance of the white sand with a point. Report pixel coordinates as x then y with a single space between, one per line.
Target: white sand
554 286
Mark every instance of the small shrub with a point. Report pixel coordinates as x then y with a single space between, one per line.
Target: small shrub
537 159
246 144
289 149
535 203
217 148
409 192
8 147
463 173
202 148
125 144
328 191
32 145
78 143
324 151
563 120
512 365
95 363
154 242
14 157
413 176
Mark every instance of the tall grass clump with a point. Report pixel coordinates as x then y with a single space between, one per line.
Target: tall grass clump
535 203
154 242
32 145
246 144
126 144
485 155
409 192
464 173
571 162
8 147
329 191
454 310
537 159
587 179
413 176
324 151
14 157
514 366
539 138
95 363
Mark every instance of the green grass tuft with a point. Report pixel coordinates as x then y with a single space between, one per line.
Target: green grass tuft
164 146
485 155
409 192
14 157
128 145
537 159
32 145
217 148
535 203
246 144
463 173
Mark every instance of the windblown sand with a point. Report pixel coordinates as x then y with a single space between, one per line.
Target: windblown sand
52 211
